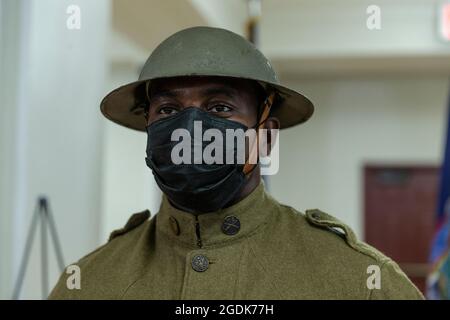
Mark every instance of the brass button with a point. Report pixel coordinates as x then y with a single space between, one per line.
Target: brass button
200 263
174 226
231 225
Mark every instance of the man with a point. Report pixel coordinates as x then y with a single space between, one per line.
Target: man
218 234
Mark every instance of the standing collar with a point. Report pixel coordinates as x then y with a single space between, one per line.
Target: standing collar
215 228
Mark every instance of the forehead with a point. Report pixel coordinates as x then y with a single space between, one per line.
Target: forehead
198 85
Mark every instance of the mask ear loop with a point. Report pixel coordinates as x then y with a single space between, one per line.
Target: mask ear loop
249 167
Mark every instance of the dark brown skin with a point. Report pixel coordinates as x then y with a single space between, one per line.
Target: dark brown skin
229 98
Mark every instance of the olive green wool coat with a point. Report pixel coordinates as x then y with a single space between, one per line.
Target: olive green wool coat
277 253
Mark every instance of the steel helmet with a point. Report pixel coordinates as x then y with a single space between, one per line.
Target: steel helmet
204 51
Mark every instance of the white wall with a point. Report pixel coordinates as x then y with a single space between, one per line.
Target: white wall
304 28
358 121
128 184
9 65
55 131
230 14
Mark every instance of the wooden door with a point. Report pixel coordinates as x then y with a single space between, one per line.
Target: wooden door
400 205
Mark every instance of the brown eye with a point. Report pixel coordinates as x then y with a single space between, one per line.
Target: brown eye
219 108
167 110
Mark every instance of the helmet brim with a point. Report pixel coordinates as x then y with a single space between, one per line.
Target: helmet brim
126 105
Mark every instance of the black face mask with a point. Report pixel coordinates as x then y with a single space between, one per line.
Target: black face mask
192 187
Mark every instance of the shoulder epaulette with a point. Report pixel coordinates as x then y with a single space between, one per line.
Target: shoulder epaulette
323 220
134 221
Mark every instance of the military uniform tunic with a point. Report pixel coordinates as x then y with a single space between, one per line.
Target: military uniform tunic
255 249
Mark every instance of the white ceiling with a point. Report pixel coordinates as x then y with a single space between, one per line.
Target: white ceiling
303 38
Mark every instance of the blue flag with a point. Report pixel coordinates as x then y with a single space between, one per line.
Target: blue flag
439 280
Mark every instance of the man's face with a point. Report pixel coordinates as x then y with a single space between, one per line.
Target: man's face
233 99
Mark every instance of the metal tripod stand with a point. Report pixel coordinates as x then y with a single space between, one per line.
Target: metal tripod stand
42 212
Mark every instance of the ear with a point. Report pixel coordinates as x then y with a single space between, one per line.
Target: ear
272 125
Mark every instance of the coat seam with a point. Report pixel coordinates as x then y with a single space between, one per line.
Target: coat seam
122 296
185 278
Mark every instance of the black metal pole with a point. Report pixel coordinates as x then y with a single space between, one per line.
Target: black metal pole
26 254
54 234
44 253
42 212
